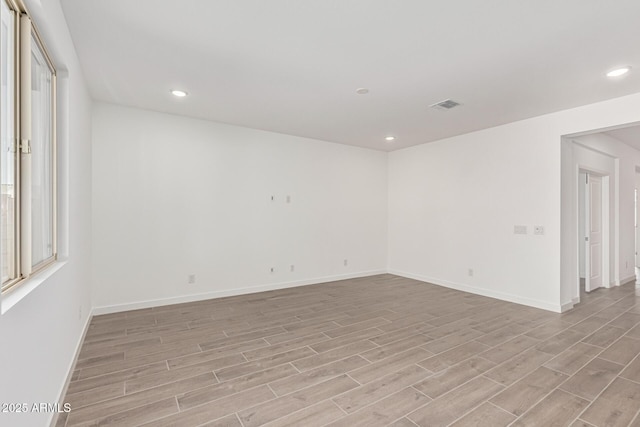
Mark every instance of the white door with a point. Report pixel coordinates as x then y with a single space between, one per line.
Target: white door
593 222
637 228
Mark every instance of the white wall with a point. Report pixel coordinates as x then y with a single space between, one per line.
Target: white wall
175 196
41 332
453 205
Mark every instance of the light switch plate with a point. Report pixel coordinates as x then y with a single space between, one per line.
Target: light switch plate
519 229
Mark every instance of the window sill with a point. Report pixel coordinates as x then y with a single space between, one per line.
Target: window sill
12 297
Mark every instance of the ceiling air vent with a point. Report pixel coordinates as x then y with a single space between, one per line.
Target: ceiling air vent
445 105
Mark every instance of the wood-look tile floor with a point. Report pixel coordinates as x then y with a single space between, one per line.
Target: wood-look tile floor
374 351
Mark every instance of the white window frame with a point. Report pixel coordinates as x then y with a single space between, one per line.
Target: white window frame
25 30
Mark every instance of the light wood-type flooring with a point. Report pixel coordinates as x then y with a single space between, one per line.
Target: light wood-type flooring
374 351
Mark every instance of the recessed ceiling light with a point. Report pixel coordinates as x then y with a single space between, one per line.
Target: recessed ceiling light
362 91
619 72
389 138
179 93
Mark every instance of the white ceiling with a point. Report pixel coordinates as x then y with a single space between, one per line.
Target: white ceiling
292 66
629 135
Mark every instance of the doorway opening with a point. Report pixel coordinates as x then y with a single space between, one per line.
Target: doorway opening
613 155
593 231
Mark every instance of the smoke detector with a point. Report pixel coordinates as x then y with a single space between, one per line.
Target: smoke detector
445 105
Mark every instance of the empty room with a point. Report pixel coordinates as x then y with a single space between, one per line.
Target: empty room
251 213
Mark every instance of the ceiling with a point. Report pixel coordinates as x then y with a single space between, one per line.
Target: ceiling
293 66
629 135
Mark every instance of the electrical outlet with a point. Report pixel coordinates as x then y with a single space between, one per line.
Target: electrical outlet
470 272
191 279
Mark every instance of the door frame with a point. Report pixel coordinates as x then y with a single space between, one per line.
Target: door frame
577 156
636 258
588 153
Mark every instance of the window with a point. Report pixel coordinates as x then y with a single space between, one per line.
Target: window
27 156
7 155
42 191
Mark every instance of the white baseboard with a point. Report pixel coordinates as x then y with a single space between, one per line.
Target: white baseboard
621 282
567 306
485 292
228 293
628 279
65 386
